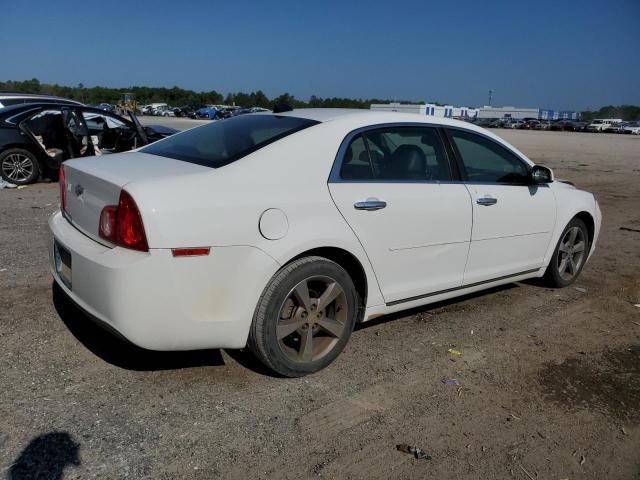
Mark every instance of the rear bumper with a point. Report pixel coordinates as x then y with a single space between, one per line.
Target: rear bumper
160 302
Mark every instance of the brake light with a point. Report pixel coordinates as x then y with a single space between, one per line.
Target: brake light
122 224
62 182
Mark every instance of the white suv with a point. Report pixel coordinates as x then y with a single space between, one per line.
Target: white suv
600 124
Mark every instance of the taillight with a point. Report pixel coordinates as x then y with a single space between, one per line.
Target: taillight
63 189
122 224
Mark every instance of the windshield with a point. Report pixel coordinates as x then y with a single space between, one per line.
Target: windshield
226 141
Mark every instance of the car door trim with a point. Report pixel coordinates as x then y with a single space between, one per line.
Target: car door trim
461 287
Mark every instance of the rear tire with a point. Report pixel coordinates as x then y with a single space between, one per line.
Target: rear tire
569 256
304 317
19 166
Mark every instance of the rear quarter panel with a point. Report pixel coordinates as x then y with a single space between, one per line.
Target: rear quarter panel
222 207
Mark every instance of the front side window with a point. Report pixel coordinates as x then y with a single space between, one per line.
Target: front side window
486 161
397 153
221 143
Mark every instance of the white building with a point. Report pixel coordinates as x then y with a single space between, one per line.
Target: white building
427 109
507 112
487 111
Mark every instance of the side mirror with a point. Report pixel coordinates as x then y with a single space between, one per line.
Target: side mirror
541 175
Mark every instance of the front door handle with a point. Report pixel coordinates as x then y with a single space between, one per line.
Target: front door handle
487 201
370 205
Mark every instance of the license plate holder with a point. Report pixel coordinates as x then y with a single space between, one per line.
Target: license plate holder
62 259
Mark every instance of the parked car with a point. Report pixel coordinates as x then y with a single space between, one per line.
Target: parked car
225 112
208 112
614 127
515 124
107 107
8 99
530 124
186 111
632 127
355 215
35 138
244 111
599 124
156 108
145 110
542 126
483 122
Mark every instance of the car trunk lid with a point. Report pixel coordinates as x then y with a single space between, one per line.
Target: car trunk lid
95 182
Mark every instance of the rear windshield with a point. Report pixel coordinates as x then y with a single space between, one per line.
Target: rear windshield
226 141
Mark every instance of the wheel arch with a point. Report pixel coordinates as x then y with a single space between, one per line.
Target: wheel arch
349 262
589 221
28 147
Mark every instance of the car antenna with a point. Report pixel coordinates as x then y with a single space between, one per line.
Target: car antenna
282 107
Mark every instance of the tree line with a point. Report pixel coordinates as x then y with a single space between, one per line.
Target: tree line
625 112
177 97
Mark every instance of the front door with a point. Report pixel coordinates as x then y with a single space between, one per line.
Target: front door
394 189
512 219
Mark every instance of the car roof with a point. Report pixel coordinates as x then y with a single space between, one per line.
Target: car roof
368 116
4 95
9 114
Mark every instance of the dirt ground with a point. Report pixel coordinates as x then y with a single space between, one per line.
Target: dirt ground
549 379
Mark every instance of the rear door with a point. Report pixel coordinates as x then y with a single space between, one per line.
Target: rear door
512 219
394 187
79 143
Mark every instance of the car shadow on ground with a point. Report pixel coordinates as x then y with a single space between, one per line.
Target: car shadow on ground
114 349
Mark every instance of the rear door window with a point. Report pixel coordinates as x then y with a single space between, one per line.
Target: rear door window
397 154
224 142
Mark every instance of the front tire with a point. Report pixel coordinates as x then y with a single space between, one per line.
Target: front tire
304 317
569 256
19 166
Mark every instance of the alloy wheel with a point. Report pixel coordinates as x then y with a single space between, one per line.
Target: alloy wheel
312 319
17 167
571 253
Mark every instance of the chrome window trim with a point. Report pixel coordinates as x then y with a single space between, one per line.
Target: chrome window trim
334 176
11 119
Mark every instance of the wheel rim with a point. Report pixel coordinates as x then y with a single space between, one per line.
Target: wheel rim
571 253
312 319
18 167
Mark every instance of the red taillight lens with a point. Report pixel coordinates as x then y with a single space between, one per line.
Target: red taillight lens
122 224
130 230
63 189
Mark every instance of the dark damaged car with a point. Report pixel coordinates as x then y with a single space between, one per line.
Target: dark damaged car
36 138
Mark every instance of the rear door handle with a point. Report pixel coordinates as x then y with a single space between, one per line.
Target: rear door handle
370 205
487 201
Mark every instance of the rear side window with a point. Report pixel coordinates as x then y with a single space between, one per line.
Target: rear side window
226 141
396 154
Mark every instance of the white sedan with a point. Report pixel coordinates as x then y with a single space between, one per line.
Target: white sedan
282 231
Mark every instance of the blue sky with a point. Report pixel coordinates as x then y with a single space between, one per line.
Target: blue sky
564 54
